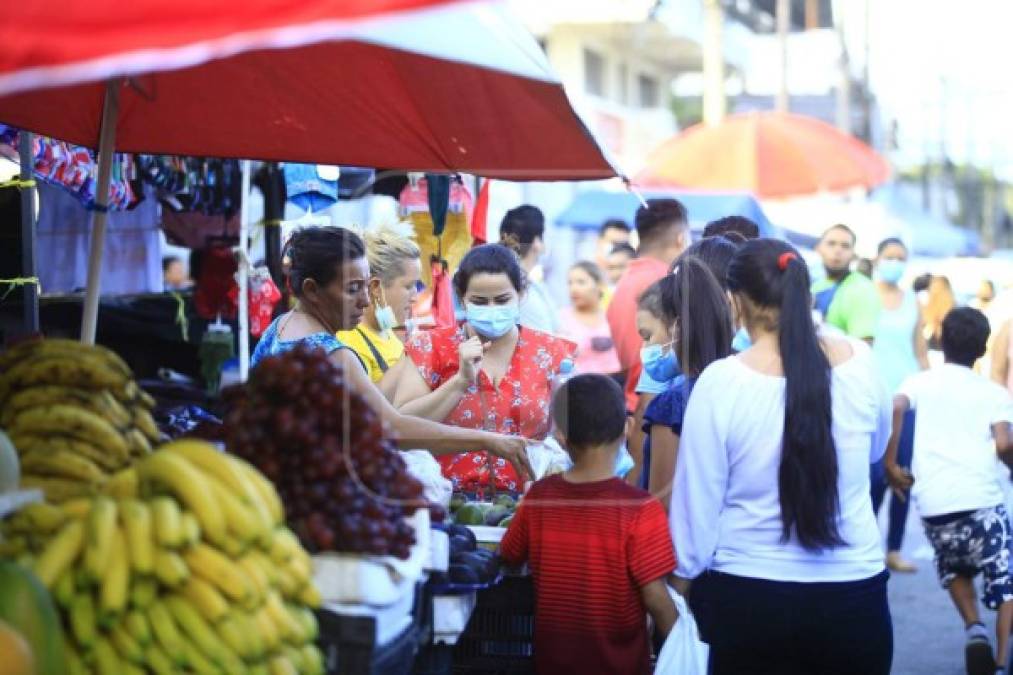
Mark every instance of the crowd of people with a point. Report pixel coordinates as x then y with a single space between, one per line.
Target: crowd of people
768 415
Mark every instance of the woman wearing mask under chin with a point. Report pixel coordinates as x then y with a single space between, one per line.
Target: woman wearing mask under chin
394 279
900 350
486 373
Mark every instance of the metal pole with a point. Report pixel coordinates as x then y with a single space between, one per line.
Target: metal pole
274 213
782 14
713 63
843 114
28 269
244 275
107 140
866 86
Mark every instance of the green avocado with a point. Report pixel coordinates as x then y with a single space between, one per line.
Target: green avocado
506 501
470 514
495 515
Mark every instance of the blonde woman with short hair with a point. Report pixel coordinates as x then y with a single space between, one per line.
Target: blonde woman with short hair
394 281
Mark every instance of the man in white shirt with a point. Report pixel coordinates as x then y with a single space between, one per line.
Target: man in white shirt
962 422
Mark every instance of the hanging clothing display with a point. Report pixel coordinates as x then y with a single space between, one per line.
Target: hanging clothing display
480 216
263 296
213 296
132 261
196 230
194 184
355 182
311 187
74 169
414 206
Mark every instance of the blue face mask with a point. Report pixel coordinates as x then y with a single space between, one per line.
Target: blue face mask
891 270
624 461
741 342
660 365
492 321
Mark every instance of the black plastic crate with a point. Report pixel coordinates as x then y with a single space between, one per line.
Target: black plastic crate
349 646
434 660
499 637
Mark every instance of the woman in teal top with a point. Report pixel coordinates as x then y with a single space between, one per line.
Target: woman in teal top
329 278
900 351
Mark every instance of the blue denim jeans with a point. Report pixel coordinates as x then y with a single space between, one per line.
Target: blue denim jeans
880 486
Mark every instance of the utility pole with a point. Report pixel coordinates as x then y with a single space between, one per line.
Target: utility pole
782 16
713 63
942 173
844 85
866 90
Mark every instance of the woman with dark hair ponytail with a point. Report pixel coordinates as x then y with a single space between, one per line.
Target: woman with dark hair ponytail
770 511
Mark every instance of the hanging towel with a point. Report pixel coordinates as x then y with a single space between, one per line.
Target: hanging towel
479 219
438 196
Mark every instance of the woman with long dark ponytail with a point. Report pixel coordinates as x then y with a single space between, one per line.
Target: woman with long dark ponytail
770 512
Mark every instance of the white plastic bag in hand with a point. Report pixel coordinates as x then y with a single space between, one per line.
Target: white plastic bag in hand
683 652
547 458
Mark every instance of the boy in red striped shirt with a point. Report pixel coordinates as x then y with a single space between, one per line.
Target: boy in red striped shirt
599 549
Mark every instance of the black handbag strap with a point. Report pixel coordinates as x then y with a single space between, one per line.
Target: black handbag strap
374 351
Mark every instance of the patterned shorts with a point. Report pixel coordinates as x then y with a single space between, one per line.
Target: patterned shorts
978 542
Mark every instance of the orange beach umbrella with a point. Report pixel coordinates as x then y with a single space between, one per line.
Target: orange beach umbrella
767 153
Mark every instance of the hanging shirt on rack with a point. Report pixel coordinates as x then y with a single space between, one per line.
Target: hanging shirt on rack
74 169
132 259
310 187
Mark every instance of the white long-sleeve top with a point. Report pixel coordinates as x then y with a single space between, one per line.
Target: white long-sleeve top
725 512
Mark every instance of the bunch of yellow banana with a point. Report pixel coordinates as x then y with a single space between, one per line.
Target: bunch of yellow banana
75 415
190 570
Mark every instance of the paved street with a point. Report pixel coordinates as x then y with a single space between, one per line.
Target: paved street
928 635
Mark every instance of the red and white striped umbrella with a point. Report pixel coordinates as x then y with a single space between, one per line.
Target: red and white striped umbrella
424 85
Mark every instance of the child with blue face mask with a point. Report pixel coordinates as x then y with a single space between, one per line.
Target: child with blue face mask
658 361
697 308
655 334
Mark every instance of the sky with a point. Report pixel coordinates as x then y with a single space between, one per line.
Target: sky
942 70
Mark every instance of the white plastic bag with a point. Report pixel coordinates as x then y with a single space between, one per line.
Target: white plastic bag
425 469
683 652
547 458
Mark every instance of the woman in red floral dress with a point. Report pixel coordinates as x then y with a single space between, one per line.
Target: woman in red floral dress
487 373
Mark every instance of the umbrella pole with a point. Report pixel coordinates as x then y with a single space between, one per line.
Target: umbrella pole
106 142
28 267
244 276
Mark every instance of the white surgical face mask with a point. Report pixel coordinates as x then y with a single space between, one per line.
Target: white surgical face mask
385 319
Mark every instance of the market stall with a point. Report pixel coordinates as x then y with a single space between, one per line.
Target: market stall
220 87
146 81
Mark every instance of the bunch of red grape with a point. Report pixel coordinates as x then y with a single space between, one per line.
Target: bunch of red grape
344 486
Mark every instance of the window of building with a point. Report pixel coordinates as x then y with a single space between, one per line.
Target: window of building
594 73
647 91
